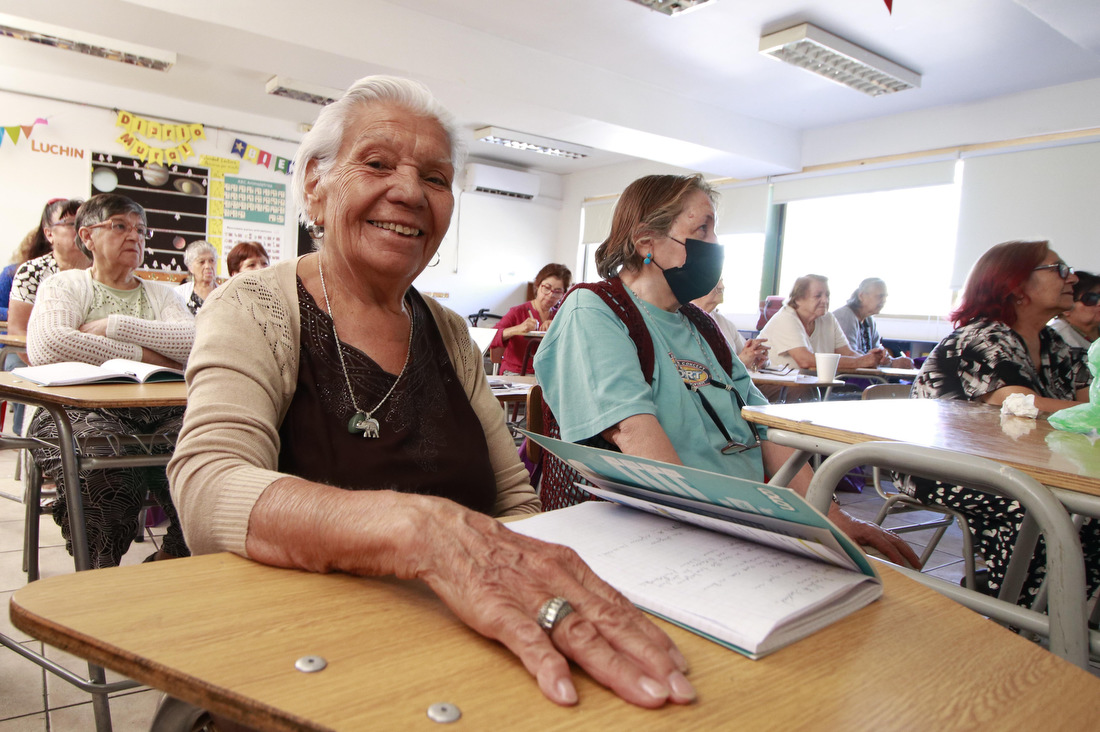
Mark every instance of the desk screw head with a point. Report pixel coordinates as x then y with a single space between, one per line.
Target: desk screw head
310 664
444 713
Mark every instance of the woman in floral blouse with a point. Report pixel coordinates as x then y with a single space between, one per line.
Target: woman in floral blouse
1002 346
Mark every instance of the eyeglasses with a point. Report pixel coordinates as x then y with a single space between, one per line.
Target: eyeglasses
548 290
732 447
123 229
1090 299
1064 270
63 223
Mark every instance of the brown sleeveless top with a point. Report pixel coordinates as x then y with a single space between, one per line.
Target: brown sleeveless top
430 440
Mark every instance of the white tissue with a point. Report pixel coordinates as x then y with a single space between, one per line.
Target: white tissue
1020 405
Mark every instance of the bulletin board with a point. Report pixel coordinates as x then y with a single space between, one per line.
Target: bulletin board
174 197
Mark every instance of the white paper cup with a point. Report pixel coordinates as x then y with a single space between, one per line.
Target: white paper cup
826 365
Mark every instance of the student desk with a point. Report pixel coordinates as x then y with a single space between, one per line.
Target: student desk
224 633
1066 462
517 392
11 344
883 373
55 399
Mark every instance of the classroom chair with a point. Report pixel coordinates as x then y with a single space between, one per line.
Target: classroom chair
1066 624
897 502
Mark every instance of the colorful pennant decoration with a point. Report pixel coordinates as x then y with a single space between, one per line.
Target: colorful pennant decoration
15 131
889 6
260 157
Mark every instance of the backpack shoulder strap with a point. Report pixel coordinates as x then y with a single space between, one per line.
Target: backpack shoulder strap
614 295
709 330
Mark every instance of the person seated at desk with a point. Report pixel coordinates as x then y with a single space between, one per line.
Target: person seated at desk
1080 325
804 326
34 245
58 229
339 421
550 285
93 316
57 235
672 391
753 352
1001 346
245 257
201 261
856 319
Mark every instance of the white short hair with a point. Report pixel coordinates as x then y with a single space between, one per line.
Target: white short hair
195 248
322 143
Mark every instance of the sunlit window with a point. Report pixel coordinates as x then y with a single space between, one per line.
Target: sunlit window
906 237
741 272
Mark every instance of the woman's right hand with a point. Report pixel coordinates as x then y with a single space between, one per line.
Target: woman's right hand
525 327
495 581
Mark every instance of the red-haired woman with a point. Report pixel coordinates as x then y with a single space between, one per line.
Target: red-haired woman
550 285
1002 346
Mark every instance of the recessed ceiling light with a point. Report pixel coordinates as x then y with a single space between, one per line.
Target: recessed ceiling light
68 39
531 143
809 47
281 86
674 7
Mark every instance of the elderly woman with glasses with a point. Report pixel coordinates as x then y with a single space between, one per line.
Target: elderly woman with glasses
1003 346
1080 325
93 316
631 365
201 260
550 285
339 421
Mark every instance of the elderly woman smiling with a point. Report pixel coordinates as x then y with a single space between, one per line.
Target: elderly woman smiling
95 315
338 421
202 263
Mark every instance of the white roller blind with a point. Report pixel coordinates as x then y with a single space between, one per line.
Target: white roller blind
597 221
742 210
795 188
1036 194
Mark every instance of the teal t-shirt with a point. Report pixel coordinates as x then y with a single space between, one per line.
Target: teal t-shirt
592 380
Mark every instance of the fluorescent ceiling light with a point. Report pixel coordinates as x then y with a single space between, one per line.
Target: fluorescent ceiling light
674 7
73 40
813 49
531 143
281 86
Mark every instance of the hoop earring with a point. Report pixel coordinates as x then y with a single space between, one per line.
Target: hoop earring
435 260
648 258
316 231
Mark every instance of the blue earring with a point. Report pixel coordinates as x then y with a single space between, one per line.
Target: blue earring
648 258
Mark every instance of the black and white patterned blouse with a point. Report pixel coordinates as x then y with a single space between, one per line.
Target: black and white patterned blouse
30 275
986 355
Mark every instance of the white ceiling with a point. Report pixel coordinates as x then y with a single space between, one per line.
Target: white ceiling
690 91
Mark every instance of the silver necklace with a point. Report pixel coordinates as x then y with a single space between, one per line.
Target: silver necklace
694 335
361 422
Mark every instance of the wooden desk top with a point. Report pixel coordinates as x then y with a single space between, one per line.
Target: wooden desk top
15 341
792 379
95 396
224 633
1054 458
886 371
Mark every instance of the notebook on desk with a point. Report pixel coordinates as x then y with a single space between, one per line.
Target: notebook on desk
750 566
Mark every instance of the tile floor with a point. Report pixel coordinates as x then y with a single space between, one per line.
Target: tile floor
32 700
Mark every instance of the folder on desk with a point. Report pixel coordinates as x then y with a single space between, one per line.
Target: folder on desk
750 566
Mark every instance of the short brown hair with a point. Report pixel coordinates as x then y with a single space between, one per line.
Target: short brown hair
244 250
646 208
555 270
802 286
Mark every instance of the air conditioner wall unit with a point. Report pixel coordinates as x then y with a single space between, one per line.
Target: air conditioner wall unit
482 178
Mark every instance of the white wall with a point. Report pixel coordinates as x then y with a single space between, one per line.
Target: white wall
495 246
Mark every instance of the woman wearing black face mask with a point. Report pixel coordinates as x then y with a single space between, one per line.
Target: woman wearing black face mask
632 365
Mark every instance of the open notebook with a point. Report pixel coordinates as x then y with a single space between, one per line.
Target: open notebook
750 566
